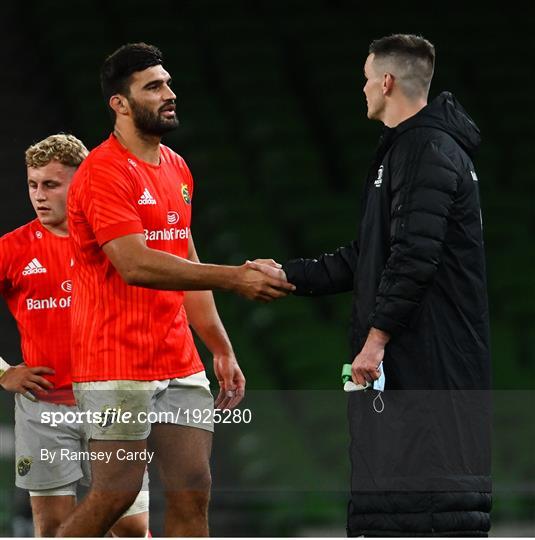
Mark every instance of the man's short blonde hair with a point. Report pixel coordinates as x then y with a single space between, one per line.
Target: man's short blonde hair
65 148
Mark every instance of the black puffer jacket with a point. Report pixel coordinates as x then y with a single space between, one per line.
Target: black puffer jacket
417 271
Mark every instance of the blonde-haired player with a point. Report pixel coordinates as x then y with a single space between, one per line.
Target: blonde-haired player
35 280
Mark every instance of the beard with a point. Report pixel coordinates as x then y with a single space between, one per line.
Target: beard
150 123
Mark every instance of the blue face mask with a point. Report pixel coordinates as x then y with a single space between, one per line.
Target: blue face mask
379 384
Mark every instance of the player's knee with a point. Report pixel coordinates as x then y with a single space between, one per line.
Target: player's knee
193 495
188 504
195 479
198 480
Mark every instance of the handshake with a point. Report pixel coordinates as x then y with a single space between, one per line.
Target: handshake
263 280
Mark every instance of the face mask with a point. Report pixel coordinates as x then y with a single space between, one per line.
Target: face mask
379 384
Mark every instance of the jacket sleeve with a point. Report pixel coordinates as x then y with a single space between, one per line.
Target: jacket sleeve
419 221
329 274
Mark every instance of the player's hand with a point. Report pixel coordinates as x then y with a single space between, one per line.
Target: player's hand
365 367
231 381
22 378
265 286
269 267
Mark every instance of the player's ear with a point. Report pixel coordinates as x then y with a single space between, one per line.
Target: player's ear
388 83
119 104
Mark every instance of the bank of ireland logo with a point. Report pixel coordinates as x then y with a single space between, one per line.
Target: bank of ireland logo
172 218
185 194
66 286
24 464
379 179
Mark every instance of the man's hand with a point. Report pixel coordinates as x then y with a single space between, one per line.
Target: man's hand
231 381
269 267
257 281
22 378
365 367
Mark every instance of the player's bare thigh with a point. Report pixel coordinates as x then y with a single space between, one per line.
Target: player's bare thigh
114 487
115 475
182 454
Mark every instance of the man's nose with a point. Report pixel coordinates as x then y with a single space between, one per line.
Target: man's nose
169 94
40 194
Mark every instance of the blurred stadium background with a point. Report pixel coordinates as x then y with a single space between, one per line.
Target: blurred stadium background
273 127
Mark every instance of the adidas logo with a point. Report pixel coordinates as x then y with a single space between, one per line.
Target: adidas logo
34 267
146 198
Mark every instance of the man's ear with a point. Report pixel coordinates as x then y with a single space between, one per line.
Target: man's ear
388 83
119 104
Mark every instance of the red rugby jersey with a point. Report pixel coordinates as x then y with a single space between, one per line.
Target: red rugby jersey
35 280
122 331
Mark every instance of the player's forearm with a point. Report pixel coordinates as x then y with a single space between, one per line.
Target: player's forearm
156 269
204 318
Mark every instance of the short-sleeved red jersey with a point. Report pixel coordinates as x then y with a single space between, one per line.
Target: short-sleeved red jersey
35 280
121 331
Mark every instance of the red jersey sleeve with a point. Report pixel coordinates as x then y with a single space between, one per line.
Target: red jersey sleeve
109 204
187 173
